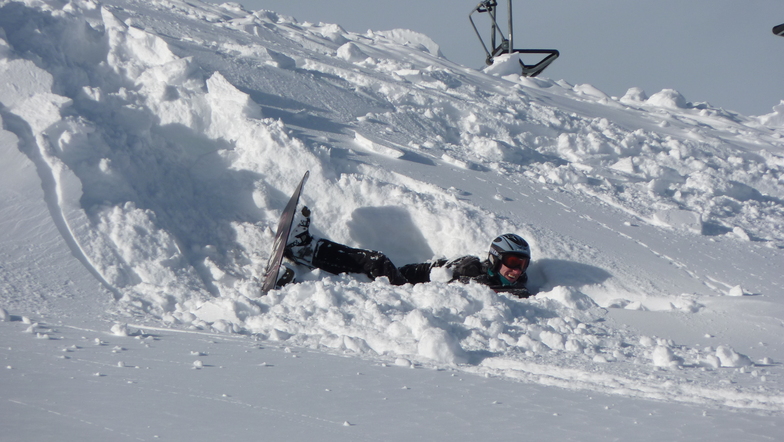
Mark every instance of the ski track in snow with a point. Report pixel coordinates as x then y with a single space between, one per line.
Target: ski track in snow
52 190
101 384
81 360
65 415
168 135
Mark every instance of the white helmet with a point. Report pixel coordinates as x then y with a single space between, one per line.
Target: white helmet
508 243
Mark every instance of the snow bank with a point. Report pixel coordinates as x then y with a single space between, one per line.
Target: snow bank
147 181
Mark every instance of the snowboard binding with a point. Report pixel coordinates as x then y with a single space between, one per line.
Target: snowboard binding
301 248
505 46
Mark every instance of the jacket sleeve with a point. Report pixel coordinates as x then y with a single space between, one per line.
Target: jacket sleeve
465 267
419 273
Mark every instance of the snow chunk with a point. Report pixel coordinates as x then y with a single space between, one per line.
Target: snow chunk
402 362
591 91
440 346
29 94
736 291
441 274
554 340
776 118
133 50
503 65
120 329
570 297
730 358
574 345
664 357
669 98
680 219
334 33
414 39
376 147
740 233
280 60
625 165
647 341
351 52
711 361
234 105
216 310
634 95
5 47
4 316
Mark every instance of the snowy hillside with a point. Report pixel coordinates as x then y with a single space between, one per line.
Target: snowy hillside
148 148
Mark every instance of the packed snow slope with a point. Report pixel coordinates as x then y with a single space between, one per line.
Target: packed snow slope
165 137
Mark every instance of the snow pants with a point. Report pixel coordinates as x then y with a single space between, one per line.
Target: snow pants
338 258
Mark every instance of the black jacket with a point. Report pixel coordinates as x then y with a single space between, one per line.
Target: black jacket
466 269
338 258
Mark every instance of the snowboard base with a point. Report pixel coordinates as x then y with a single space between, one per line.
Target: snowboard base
281 236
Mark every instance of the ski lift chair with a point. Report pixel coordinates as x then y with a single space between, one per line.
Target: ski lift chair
505 44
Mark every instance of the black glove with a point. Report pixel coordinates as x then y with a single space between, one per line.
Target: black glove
469 266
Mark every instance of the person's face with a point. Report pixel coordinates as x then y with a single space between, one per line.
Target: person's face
512 267
511 275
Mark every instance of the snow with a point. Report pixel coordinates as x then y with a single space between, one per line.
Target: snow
148 149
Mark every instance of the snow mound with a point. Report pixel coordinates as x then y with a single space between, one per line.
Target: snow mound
730 358
664 357
412 39
505 64
569 297
776 118
668 98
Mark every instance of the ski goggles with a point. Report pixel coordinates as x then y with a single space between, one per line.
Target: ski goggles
515 261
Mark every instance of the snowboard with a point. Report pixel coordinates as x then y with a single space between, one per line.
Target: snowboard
281 236
779 30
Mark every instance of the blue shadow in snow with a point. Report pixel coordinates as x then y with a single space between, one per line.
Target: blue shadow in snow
391 230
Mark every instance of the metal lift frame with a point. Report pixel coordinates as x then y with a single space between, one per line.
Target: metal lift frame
506 46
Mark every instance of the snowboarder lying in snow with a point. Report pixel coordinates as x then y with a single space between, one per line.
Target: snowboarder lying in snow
503 270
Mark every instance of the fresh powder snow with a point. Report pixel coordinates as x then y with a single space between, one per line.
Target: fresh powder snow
148 149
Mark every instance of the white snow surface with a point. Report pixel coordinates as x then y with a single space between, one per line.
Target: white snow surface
148 148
